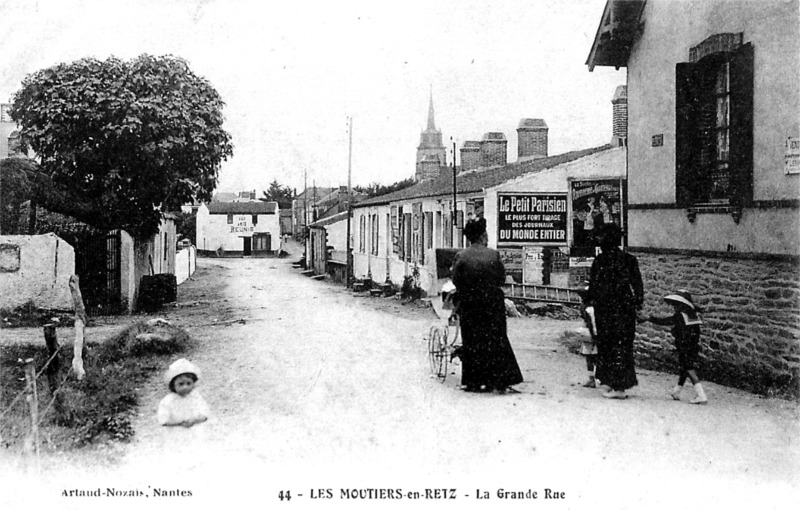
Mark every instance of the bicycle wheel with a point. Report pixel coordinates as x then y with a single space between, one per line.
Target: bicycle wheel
437 352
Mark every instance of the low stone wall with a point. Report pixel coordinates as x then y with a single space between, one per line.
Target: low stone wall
751 314
214 254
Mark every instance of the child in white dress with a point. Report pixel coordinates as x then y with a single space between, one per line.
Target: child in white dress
184 406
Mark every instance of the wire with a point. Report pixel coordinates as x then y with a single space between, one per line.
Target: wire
55 394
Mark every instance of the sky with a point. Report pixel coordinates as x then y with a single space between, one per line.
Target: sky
292 74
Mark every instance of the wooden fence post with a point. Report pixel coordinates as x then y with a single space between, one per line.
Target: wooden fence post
32 441
80 322
51 339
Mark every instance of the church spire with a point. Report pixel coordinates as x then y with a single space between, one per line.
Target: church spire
431 124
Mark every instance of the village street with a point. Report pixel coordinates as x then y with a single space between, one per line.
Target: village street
314 389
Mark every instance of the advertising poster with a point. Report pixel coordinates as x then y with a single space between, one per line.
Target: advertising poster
531 218
594 202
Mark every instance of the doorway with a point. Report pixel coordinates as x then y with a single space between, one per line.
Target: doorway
248 245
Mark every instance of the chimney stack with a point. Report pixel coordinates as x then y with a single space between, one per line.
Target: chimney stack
470 155
619 137
531 139
493 149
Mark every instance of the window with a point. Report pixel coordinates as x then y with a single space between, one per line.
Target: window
714 123
417 235
255 219
230 219
375 232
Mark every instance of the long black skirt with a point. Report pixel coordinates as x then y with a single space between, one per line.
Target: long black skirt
615 361
487 358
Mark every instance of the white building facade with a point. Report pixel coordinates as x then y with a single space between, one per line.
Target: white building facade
238 229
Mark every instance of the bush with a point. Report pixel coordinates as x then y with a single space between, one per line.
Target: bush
156 290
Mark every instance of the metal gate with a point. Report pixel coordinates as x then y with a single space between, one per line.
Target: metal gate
97 264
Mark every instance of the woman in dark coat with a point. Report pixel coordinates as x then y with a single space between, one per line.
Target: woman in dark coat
616 292
488 361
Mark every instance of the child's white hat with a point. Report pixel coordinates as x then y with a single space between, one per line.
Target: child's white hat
681 296
182 366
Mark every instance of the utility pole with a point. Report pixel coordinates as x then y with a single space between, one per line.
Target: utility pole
349 271
455 212
305 215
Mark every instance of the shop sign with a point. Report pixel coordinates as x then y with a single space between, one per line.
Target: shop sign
241 224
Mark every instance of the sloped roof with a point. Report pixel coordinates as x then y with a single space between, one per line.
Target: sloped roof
242 207
331 219
223 196
619 27
479 180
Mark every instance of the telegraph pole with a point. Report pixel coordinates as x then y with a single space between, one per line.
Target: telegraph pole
455 212
305 216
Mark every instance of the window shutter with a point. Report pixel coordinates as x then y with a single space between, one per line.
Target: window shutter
401 245
741 121
685 133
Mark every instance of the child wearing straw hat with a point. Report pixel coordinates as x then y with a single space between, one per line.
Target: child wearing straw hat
184 406
685 323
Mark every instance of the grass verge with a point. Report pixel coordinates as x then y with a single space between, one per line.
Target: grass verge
97 409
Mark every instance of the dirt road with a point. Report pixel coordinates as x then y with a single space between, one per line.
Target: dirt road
319 393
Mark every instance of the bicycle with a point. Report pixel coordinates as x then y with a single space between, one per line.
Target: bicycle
443 338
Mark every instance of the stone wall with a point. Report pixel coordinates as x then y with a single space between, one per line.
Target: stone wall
36 269
751 314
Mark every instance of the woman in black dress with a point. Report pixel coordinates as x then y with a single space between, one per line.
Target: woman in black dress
487 359
616 292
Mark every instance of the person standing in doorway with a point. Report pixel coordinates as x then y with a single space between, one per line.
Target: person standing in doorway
488 361
616 292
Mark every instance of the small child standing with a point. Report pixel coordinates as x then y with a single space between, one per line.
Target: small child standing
685 324
588 345
184 406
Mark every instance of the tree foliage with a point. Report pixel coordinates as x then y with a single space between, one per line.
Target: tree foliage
124 140
278 193
186 226
374 189
15 189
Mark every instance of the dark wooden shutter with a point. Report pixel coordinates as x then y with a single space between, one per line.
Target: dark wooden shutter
741 125
401 245
685 133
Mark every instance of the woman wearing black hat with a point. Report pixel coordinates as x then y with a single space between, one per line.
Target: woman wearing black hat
487 359
616 292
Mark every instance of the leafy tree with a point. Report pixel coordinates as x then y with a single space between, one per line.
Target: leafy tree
374 189
15 188
277 193
123 141
186 226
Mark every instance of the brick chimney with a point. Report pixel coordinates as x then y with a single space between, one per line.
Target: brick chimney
494 149
619 131
470 155
531 139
